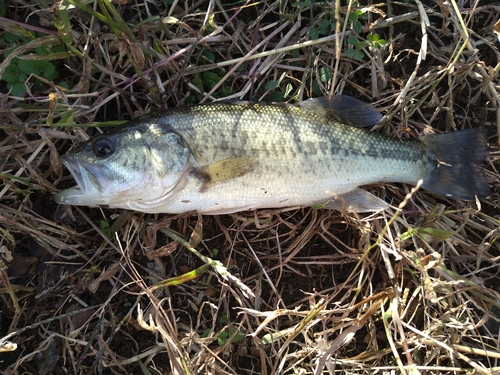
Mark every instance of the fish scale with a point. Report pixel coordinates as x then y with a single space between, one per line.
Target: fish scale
330 148
228 157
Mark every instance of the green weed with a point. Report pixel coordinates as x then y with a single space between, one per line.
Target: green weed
234 334
20 69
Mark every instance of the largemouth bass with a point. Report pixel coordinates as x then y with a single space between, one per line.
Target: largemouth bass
227 157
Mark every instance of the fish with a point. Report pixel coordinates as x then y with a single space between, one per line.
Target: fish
226 157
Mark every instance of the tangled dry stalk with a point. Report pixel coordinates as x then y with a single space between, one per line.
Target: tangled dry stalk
409 290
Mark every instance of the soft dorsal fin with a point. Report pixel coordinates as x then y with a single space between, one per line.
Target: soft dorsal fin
343 108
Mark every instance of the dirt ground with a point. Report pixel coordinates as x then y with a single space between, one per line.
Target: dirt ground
87 290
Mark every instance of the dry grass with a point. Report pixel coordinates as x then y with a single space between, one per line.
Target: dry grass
295 292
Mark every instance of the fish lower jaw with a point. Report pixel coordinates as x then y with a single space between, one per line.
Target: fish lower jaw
77 197
68 196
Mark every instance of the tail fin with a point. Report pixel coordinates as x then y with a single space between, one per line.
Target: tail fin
456 158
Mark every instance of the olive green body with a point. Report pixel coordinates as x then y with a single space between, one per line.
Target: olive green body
227 157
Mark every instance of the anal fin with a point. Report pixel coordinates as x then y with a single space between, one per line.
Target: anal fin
357 200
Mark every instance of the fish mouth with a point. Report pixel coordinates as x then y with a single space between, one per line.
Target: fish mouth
87 184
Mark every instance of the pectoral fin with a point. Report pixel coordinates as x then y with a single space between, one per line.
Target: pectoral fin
357 200
224 170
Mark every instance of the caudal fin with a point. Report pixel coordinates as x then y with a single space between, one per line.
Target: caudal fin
456 158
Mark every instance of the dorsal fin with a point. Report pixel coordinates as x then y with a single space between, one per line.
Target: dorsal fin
345 109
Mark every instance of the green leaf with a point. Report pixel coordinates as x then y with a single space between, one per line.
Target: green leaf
104 225
17 88
361 44
353 16
325 74
241 67
238 336
271 85
350 53
355 54
433 233
191 100
359 55
315 88
8 52
276 96
49 71
357 27
181 279
11 38
353 40
40 67
18 35
198 82
205 333
327 27
209 55
213 253
407 235
375 41
313 33
225 91
210 79
222 339
387 315
29 66
13 74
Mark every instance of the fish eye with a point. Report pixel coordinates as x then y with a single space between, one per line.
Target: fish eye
103 147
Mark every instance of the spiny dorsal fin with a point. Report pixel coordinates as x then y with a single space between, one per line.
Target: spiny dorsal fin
345 109
224 170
